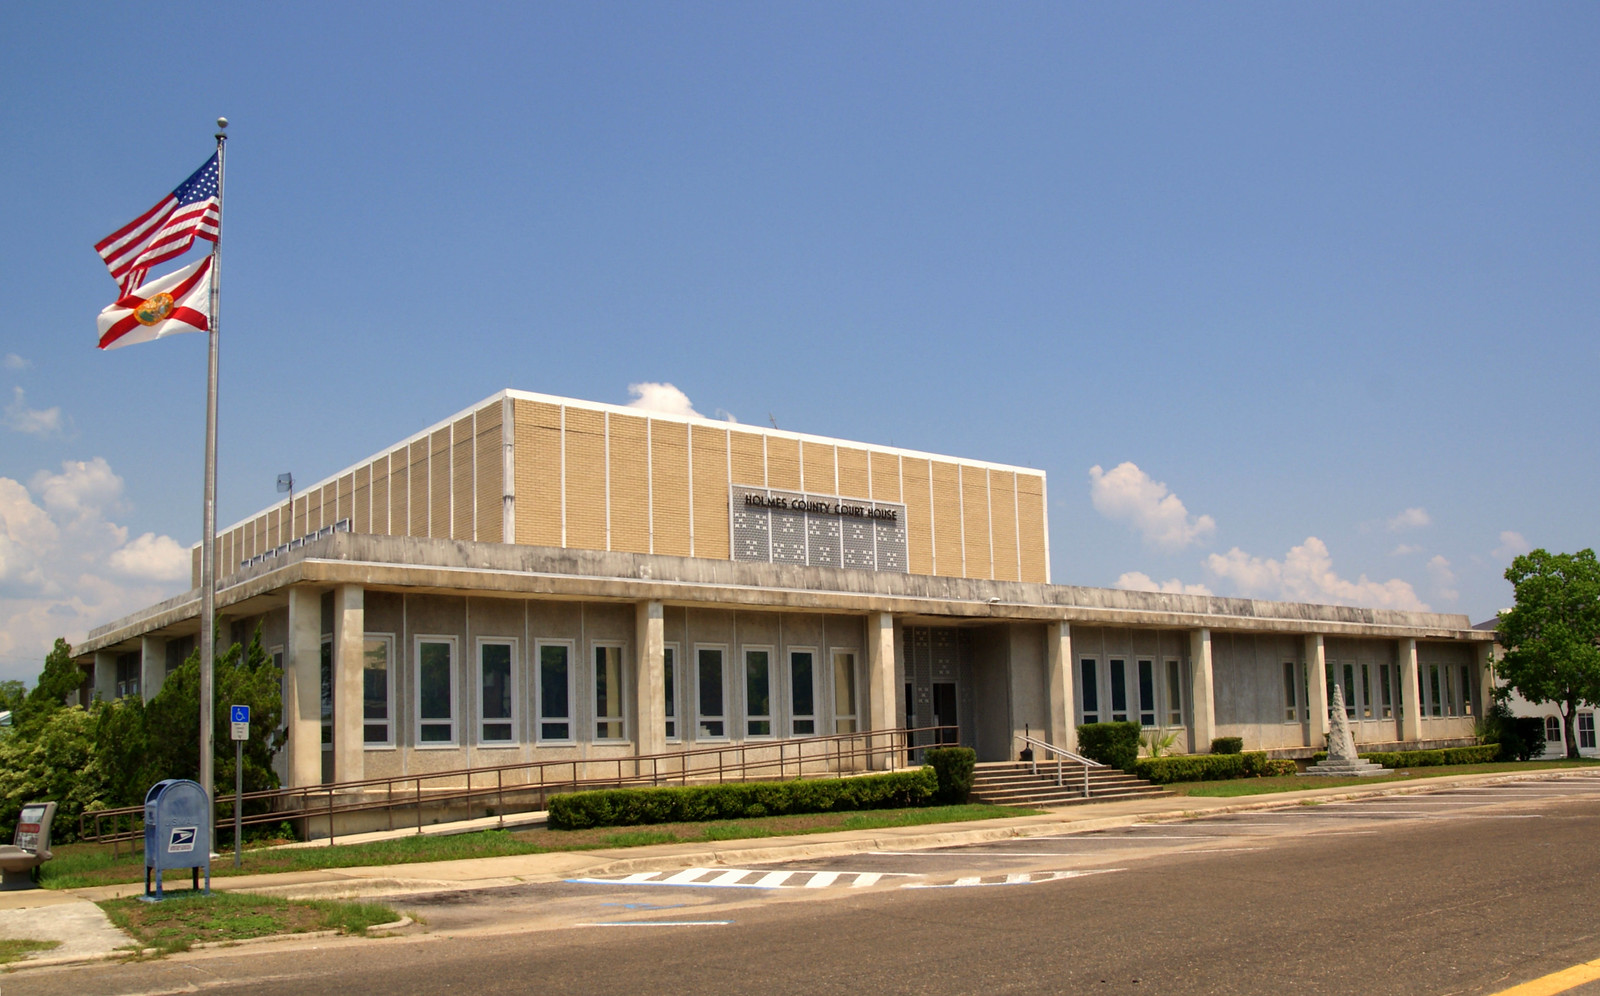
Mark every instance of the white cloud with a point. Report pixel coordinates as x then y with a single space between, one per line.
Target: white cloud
1127 494
1405 550
15 362
1411 518
1140 581
1511 545
1444 579
1306 575
33 421
67 565
663 398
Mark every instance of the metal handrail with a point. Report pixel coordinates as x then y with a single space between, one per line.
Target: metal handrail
1061 754
540 779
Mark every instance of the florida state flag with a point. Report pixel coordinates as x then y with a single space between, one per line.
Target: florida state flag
177 302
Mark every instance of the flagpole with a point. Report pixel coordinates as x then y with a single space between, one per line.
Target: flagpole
208 533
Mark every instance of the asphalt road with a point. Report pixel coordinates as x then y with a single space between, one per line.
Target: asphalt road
1467 891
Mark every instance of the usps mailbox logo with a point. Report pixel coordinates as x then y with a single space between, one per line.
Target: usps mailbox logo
182 840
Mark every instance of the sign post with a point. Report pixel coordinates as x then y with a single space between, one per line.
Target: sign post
239 716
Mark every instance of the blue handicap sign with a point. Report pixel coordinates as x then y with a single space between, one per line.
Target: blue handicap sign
239 714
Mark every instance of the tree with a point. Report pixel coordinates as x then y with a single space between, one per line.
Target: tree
1552 633
61 677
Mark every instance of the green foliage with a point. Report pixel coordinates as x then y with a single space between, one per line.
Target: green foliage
1552 633
51 759
12 695
1211 767
1480 754
953 767
1519 738
61 677
1158 742
1227 745
633 807
1116 744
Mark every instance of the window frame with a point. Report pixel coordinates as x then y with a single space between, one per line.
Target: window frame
1088 684
770 717
325 691
539 718
854 718
700 718
1117 667
388 742
1550 721
794 718
1586 737
1291 689
511 691
454 644
620 717
1145 693
672 678
1173 669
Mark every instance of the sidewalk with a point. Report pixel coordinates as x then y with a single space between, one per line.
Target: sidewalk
66 914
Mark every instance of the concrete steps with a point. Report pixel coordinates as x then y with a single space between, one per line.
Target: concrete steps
1015 783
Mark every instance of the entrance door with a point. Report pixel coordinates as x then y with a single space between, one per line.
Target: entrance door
944 711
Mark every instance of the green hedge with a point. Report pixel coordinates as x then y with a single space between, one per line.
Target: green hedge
1227 745
631 807
953 767
1211 767
1427 758
1116 744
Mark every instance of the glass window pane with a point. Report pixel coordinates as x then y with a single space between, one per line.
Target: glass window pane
708 675
669 660
801 688
375 680
608 693
1147 693
1119 692
1435 707
758 692
1350 691
1291 705
433 683
1174 693
1091 692
496 702
553 686
325 672
1366 691
844 691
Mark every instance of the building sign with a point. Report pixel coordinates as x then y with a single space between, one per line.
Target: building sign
787 527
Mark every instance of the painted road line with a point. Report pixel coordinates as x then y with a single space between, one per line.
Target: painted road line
1556 982
821 880
684 877
772 880
729 877
660 923
866 879
1027 878
736 878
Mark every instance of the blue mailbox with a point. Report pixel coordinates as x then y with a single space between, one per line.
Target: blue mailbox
177 832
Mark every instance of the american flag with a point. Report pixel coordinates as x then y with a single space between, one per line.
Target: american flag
192 211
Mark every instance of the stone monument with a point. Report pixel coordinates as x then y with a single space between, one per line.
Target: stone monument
1342 761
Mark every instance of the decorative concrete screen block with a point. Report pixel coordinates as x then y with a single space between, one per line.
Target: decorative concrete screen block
784 527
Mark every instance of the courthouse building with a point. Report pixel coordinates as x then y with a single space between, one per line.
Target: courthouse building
538 577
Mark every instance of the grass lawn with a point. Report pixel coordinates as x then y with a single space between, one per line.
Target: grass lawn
15 949
179 922
1295 783
80 865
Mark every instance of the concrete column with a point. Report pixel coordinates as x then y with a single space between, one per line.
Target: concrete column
349 639
1202 704
881 697
1063 732
152 666
105 676
1316 691
1410 701
650 679
302 667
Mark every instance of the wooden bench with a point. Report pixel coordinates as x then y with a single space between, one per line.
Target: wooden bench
29 849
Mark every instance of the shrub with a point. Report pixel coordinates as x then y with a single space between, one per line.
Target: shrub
1227 745
1116 744
953 767
1211 767
632 807
1481 754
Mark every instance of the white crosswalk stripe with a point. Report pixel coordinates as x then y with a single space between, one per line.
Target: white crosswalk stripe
745 878
1014 878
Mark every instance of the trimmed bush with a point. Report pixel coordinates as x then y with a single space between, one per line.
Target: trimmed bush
953 767
1227 745
1211 767
1482 754
632 807
1116 744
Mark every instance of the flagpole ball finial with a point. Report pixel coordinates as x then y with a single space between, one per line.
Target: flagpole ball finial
222 122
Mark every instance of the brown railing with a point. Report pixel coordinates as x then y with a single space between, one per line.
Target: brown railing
528 784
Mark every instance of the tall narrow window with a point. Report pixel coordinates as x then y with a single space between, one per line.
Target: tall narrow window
436 698
1174 693
844 691
758 693
708 679
1552 730
1386 690
1466 691
911 706
1449 691
1147 693
496 677
376 703
803 695
555 691
1350 691
1366 691
1119 692
1291 703
669 677
1586 731
1435 707
325 692
289 706
608 723
1091 692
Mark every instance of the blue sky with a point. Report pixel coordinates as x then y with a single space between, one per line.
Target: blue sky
1313 286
